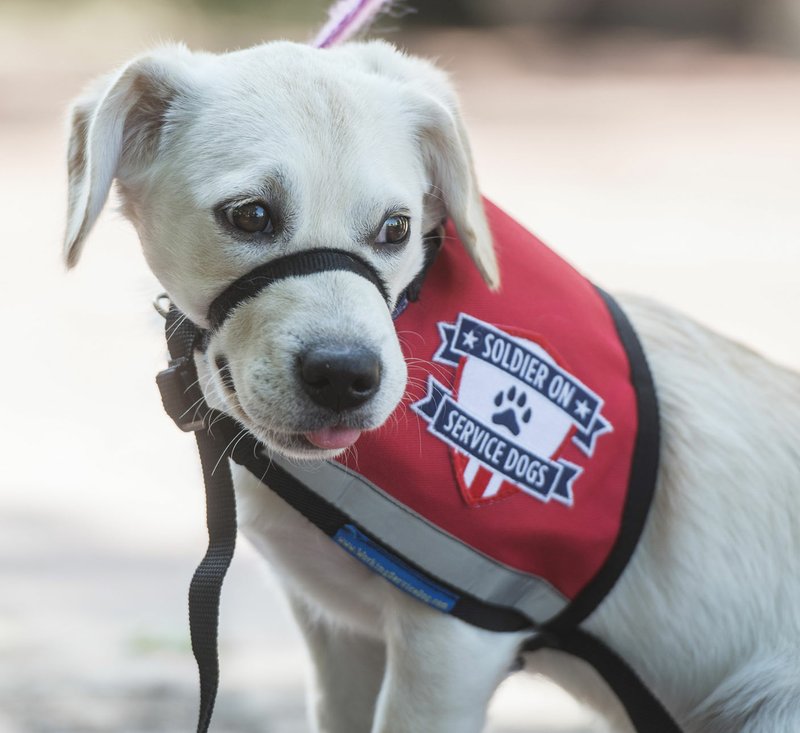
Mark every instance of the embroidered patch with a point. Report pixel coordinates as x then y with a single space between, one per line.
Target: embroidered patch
381 561
513 410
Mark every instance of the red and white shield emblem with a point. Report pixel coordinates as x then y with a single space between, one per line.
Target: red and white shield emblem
513 409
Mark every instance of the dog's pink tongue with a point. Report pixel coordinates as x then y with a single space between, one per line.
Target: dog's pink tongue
333 438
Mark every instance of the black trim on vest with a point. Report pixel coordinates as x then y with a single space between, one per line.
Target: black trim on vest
646 712
641 483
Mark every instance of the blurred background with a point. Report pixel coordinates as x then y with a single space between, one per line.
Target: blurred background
654 143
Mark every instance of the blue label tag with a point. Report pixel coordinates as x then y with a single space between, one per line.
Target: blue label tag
394 570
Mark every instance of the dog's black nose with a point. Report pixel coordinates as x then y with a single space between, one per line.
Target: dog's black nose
339 377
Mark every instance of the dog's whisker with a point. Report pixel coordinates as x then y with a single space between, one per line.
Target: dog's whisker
176 326
438 370
229 448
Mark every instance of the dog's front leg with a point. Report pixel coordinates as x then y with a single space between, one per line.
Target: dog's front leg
440 672
348 669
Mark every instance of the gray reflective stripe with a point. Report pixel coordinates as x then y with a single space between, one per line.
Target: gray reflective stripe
422 543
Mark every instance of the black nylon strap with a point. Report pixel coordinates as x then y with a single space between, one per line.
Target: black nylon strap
180 393
645 710
206 585
305 262
642 481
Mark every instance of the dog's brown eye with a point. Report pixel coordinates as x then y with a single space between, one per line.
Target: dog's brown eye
394 230
251 217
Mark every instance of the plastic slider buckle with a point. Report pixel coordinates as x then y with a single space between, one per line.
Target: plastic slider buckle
183 401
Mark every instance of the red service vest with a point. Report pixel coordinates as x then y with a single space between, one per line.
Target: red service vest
518 470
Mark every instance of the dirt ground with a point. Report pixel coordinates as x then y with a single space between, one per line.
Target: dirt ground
669 168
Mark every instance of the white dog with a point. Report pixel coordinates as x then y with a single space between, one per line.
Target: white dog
225 161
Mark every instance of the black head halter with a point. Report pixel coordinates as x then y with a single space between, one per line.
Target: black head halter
306 262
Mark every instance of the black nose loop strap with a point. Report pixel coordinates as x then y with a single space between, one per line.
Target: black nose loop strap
306 262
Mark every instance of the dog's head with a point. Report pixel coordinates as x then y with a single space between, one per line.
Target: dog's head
226 162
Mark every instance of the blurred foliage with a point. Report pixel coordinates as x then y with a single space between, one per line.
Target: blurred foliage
449 12
428 12
765 23
280 10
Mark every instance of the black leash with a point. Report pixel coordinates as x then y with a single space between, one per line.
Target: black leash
206 585
184 403
217 441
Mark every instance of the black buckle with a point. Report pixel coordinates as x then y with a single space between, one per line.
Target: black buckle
181 395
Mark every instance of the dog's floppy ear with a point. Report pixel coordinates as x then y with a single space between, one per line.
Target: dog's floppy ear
429 98
454 186
114 131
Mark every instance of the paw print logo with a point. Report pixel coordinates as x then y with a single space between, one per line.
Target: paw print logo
511 409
